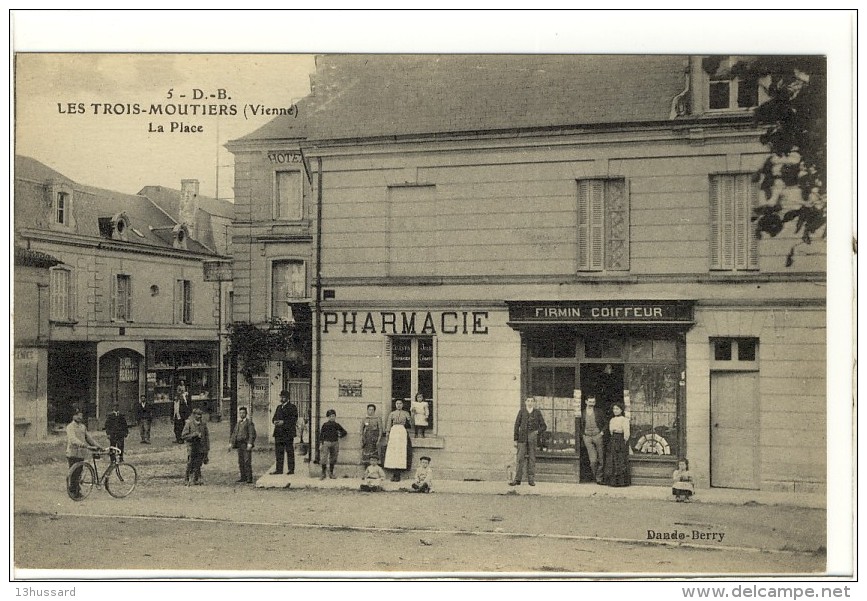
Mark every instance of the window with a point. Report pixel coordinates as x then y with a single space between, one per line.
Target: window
288 284
287 195
61 293
121 298
725 91
733 243
603 225
61 208
412 369
734 353
183 301
230 308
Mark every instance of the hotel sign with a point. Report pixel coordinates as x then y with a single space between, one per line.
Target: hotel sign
588 312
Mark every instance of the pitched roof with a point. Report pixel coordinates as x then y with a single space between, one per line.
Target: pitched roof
150 226
357 96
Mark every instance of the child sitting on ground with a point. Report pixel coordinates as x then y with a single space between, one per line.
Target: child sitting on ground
423 476
682 485
373 476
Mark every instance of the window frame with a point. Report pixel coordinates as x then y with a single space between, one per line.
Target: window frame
183 301
734 84
724 256
276 207
116 299
595 219
735 363
414 379
68 300
273 264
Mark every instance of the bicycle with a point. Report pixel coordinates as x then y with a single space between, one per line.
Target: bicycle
119 478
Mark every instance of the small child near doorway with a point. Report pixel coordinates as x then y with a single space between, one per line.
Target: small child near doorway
682 486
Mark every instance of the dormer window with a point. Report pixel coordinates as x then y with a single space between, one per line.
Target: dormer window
59 197
726 91
115 228
180 235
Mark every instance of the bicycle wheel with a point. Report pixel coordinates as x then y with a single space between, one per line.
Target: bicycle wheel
80 480
121 480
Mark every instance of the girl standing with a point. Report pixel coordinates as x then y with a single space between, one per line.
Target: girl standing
682 486
617 454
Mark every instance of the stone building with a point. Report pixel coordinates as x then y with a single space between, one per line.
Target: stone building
484 228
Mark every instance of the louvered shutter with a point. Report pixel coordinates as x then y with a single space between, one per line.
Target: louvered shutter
188 301
583 225
722 221
746 244
128 316
616 207
597 224
113 310
71 294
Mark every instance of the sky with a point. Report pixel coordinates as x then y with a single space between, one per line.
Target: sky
75 113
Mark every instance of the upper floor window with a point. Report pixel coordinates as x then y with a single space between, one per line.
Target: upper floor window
288 284
61 293
734 353
733 243
603 224
121 298
726 91
287 195
59 197
61 208
184 301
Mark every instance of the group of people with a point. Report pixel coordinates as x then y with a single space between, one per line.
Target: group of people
609 463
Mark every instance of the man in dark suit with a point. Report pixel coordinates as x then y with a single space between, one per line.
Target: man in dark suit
144 416
243 438
116 429
592 429
284 420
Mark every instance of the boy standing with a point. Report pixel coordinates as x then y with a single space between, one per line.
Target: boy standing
330 436
423 476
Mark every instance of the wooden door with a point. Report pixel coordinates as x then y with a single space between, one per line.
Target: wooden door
734 430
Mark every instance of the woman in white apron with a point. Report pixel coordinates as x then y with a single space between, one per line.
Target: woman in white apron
398 452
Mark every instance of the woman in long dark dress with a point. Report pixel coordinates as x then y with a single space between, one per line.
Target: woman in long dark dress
617 454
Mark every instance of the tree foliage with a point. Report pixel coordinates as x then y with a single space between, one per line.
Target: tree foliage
794 176
255 346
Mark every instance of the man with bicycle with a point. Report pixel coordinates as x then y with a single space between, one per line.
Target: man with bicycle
79 447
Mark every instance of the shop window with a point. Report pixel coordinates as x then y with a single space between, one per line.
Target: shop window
598 347
288 195
558 346
734 353
121 298
61 294
412 371
652 408
734 246
603 225
183 301
553 387
288 285
726 91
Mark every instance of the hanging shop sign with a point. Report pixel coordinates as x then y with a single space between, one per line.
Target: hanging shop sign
588 312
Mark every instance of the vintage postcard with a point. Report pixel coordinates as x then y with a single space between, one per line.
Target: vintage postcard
572 312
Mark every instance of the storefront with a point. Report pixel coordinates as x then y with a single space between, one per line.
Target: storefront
193 363
627 352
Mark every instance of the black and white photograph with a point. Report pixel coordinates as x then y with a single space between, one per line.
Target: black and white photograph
341 308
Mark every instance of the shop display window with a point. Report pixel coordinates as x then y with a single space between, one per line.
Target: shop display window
412 372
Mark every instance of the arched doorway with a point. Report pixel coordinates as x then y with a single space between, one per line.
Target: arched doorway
119 374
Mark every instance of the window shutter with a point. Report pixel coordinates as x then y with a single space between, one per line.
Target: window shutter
722 221
128 298
597 224
113 308
741 202
177 302
56 299
616 205
583 225
71 294
188 301
715 250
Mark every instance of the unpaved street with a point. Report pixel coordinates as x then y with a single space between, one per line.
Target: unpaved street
225 526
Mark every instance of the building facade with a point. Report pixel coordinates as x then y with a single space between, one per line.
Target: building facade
129 311
490 228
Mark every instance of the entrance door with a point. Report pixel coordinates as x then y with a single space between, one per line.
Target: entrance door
605 382
118 381
734 430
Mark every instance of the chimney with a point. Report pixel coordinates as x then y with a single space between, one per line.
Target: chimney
189 205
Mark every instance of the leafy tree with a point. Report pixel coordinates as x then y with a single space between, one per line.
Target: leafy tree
254 346
794 176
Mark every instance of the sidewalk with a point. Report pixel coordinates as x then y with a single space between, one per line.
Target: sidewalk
551 489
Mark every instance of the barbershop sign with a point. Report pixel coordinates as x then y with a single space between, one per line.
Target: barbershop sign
638 311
